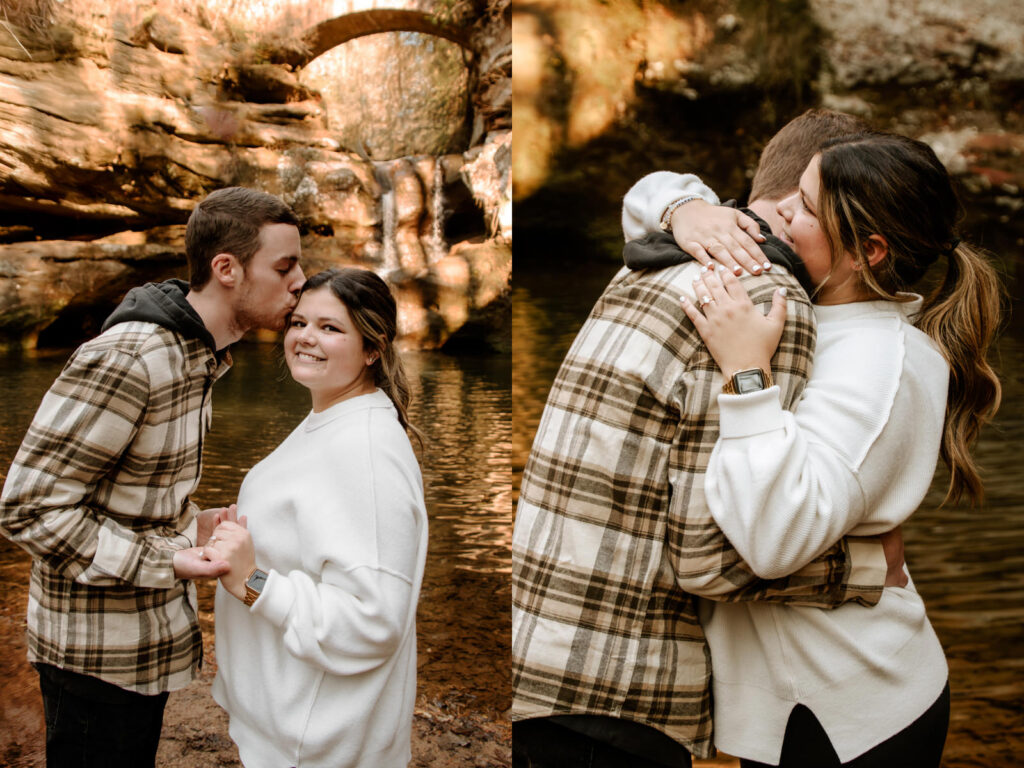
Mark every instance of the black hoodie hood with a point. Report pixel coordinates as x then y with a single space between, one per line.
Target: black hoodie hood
164 304
659 249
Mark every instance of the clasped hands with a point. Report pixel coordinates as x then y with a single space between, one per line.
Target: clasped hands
224 550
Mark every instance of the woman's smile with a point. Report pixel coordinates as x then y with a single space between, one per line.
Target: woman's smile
324 350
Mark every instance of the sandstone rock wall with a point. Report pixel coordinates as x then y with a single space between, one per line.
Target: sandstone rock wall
703 84
112 127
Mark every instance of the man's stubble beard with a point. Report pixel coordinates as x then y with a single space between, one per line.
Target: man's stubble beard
250 316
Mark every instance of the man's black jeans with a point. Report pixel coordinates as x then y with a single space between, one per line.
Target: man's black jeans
93 724
543 742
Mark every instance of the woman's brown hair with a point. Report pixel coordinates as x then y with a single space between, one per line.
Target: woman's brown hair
876 183
375 314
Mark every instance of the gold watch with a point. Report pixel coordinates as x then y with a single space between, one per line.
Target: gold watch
254 585
749 380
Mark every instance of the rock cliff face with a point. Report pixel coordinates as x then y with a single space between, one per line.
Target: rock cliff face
702 85
113 124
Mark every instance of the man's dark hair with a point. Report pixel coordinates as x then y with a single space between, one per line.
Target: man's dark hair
790 150
229 221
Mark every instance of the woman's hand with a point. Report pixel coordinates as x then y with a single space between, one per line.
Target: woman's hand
208 519
715 233
736 332
231 542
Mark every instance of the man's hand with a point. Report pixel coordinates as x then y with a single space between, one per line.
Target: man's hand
209 519
892 546
192 564
715 233
232 542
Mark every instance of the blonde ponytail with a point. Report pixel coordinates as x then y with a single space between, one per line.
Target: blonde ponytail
962 316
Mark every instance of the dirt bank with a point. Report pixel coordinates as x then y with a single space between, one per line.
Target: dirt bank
445 735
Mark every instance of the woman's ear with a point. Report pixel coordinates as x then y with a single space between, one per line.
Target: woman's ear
876 248
226 269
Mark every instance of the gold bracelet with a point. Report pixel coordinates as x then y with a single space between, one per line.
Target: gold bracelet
666 217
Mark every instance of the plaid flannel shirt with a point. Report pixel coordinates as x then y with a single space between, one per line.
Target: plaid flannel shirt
99 495
613 538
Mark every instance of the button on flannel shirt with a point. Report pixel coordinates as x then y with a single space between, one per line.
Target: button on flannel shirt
99 494
613 538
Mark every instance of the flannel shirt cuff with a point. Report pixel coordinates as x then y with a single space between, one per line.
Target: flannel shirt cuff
156 566
143 561
866 571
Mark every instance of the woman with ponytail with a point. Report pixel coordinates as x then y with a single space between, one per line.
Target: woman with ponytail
898 381
316 631
888 203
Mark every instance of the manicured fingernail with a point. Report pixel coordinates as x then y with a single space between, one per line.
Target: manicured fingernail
737 270
767 265
704 268
756 269
782 291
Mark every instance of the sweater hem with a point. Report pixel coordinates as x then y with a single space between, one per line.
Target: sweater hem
858 713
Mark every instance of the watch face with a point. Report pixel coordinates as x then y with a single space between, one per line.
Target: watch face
257 580
748 381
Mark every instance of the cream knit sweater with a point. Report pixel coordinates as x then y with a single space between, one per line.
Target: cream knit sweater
321 671
856 458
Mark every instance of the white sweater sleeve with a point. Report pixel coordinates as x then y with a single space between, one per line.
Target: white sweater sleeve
779 497
646 201
345 623
784 487
347 610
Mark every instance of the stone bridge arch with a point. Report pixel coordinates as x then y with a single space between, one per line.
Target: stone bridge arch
333 32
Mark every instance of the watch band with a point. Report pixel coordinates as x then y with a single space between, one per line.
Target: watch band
254 587
749 380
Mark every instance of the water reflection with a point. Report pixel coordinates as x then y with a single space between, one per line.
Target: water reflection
462 405
967 564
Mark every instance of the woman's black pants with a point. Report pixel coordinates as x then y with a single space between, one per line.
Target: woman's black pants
919 745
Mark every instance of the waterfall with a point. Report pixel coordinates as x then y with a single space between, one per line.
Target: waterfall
387 204
388 215
438 248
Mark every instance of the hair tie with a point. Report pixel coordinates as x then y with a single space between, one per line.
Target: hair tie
952 246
